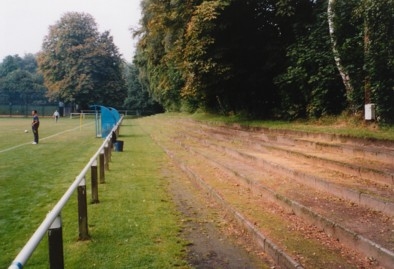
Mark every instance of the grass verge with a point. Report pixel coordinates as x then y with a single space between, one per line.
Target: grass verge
341 125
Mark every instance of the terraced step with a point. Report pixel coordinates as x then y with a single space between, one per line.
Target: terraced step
328 218
284 175
320 175
363 154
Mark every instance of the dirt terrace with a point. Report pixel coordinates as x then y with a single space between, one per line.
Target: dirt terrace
304 200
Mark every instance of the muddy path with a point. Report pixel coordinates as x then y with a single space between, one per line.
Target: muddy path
304 200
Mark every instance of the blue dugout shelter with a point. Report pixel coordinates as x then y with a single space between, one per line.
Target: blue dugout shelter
106 120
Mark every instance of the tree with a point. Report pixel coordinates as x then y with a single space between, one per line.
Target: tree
201 69
311 85
246 52
379 56
19 81
332 30
159 54
363 35
346 36
138 98
9 64
80 65
268 58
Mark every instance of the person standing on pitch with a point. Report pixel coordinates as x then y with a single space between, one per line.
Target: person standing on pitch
56 115
34 126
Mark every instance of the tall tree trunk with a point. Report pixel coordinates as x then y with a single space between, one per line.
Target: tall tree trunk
367 82
342 71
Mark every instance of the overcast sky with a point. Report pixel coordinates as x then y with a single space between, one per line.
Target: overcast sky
24 23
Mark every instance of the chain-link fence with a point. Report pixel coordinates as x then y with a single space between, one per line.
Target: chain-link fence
25 110
16 110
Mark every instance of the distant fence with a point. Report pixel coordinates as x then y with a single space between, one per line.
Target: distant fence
47 111
83 115
25 110
52 224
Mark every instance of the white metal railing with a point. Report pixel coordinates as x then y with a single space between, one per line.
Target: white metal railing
51 217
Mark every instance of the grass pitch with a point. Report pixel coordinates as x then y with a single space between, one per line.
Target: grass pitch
34 177
133 226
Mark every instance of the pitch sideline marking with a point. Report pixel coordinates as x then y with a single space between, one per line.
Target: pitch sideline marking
45 138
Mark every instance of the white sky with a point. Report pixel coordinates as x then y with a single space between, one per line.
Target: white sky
25 23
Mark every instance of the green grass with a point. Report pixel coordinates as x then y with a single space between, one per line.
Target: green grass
341 125
135 225
34 177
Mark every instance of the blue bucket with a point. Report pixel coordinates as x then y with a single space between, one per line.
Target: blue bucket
119 145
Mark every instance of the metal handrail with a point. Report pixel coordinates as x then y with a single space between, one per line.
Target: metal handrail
35 239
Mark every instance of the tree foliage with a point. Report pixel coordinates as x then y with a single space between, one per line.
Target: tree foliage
81 65
138 98
268 58
19 81
199 66
365 45
311 85
379 56
160 49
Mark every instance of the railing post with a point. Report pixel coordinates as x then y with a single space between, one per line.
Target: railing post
110 147
106 153
93 176
117 131
55 244
101 167
82 211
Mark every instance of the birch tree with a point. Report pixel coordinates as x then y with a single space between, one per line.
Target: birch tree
337 57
